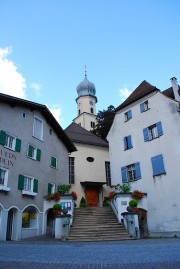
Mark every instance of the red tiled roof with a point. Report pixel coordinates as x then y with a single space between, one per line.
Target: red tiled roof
142 90
78 134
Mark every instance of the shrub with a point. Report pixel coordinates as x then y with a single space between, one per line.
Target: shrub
83 202
63 188
133 203
57 207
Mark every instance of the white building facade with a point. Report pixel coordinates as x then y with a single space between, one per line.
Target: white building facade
34 155
144 145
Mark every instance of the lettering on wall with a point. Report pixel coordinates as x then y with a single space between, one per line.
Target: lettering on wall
7 158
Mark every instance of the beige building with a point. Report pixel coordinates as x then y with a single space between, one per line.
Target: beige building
89 166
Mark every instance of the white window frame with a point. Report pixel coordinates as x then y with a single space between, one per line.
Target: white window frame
153 132
10 141
35 131
3 185
131 173
28 186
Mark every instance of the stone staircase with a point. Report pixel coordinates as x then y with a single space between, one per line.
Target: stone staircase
96 224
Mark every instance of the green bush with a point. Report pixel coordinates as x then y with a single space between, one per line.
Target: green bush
63 188
83 202
133 203
57 207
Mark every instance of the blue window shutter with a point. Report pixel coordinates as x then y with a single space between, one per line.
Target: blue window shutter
125 143
158 165
129 114
146 134
142 107
159 128
124 175
137 170
129 141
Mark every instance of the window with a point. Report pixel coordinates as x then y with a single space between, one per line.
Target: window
38 128
51 188
4 179
131 172
144 106
53 162
71 170
153 131
158 165
92 110
108 173
92 124
79 111
28 185
34 153
127 142
29 217
10 141
128 115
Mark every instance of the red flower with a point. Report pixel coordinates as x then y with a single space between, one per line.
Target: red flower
111 194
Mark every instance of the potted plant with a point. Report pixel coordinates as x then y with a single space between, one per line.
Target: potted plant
111 194
74 194
133 204
57 210
137 194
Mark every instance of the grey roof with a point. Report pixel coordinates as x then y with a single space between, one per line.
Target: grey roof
77 134
14 101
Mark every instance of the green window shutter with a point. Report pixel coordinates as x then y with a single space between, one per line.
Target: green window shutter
38 155
30 151
49 187
21 182
18 145
2 137
35 187
53 162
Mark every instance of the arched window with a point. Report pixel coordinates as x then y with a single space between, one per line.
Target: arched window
29 217
79 111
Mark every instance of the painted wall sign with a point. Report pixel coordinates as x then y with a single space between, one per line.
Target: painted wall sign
7 158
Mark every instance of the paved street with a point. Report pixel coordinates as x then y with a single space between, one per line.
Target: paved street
42 253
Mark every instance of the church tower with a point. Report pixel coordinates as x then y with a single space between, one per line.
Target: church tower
86 104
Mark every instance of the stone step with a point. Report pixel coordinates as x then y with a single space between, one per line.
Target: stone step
96 224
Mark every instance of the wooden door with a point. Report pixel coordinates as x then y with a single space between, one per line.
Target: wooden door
91 197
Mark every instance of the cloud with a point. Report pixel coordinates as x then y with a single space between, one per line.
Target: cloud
124 93
37 88
12 81
56 111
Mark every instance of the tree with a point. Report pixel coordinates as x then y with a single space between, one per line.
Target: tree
104 122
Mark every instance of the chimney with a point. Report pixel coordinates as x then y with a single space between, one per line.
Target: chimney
176 89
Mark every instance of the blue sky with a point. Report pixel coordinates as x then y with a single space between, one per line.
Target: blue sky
44 45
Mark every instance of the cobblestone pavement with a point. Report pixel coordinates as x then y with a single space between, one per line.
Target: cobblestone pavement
46 253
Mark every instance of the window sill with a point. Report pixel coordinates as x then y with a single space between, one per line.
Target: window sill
157 175
4 188
145 110
30 193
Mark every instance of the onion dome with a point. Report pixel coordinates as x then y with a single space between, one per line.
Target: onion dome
86 88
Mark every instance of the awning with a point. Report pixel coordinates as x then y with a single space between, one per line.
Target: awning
92 184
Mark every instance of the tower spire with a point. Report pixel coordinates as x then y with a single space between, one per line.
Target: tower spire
85 68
